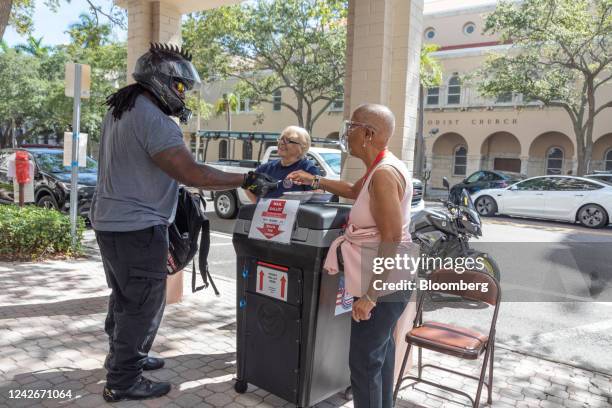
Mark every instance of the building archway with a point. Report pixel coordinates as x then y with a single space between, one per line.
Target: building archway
449 158
501 151
602 153
551 153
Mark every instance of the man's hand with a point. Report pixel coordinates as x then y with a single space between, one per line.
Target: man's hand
259 183
362 309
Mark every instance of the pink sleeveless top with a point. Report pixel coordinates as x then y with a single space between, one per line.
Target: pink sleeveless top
361 238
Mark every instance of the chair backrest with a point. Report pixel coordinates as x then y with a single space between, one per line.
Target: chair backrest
449 281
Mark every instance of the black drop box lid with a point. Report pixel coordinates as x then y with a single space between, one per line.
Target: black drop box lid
319 216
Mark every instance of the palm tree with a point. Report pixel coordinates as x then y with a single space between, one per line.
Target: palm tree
430 76
88 33
34 47
227 104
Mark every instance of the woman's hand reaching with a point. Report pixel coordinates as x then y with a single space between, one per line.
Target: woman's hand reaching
301 177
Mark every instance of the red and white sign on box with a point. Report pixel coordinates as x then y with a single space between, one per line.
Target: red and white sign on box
273 220
272 282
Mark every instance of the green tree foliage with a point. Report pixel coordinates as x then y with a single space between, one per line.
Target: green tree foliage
561 56
18 13
430 73
34 47
32 78
296 46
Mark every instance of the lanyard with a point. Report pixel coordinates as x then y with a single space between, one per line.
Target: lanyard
378 159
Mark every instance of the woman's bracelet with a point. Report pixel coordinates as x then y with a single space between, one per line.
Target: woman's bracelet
369 299
316 182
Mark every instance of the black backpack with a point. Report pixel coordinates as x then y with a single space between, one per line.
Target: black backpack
189 223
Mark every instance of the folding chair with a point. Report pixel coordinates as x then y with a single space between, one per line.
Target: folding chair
452 340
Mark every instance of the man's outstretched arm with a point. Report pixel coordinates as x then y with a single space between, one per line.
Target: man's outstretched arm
179 164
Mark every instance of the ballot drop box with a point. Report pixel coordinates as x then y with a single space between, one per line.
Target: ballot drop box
293 318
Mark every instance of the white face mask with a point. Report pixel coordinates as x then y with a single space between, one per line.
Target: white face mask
343 139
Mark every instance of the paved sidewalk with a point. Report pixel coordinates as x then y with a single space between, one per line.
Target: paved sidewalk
51 338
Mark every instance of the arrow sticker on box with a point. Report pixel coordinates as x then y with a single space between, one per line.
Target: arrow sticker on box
272 282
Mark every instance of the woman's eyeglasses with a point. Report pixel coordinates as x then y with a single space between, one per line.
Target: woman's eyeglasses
284 141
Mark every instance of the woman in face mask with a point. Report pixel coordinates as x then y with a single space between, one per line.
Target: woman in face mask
377 226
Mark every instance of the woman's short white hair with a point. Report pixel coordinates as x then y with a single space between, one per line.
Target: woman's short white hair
299 134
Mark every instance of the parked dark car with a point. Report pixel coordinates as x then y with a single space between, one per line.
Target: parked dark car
605 177
484 179
51 179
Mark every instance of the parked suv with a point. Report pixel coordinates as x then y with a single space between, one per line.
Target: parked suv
51 179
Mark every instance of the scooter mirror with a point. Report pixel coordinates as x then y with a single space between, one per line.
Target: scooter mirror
445 183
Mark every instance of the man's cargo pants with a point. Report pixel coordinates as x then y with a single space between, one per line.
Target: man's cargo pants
135 267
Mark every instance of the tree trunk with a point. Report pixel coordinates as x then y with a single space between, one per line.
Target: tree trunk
580 149
13 140
309 124
5 14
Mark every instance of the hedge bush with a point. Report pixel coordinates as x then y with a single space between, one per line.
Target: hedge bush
33 233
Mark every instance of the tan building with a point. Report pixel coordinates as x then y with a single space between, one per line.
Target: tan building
473 132
385 33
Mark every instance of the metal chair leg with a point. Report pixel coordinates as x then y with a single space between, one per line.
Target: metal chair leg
401 373
490 387
483 371
420 363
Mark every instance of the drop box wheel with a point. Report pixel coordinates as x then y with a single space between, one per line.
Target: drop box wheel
241 386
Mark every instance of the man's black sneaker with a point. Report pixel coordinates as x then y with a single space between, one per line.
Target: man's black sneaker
153 363
143 389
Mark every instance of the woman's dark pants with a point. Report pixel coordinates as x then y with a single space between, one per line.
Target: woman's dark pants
372 353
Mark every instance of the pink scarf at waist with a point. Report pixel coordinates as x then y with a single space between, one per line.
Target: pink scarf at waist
350 244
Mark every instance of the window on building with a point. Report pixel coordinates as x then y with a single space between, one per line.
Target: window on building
247 150
608 160
454 90
244 105
469 28
223 149
554 161
460 161
337 104
277 99
505 97
433 96
430 33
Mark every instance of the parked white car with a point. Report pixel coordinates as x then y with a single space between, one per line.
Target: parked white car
563 198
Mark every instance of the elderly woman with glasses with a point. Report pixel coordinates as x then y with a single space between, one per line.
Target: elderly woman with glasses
377 228
293 144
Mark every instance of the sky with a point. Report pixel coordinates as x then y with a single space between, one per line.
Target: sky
52 26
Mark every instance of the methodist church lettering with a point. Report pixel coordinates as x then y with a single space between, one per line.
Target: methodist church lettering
473 122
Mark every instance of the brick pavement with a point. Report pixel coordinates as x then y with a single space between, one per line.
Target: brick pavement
51 337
